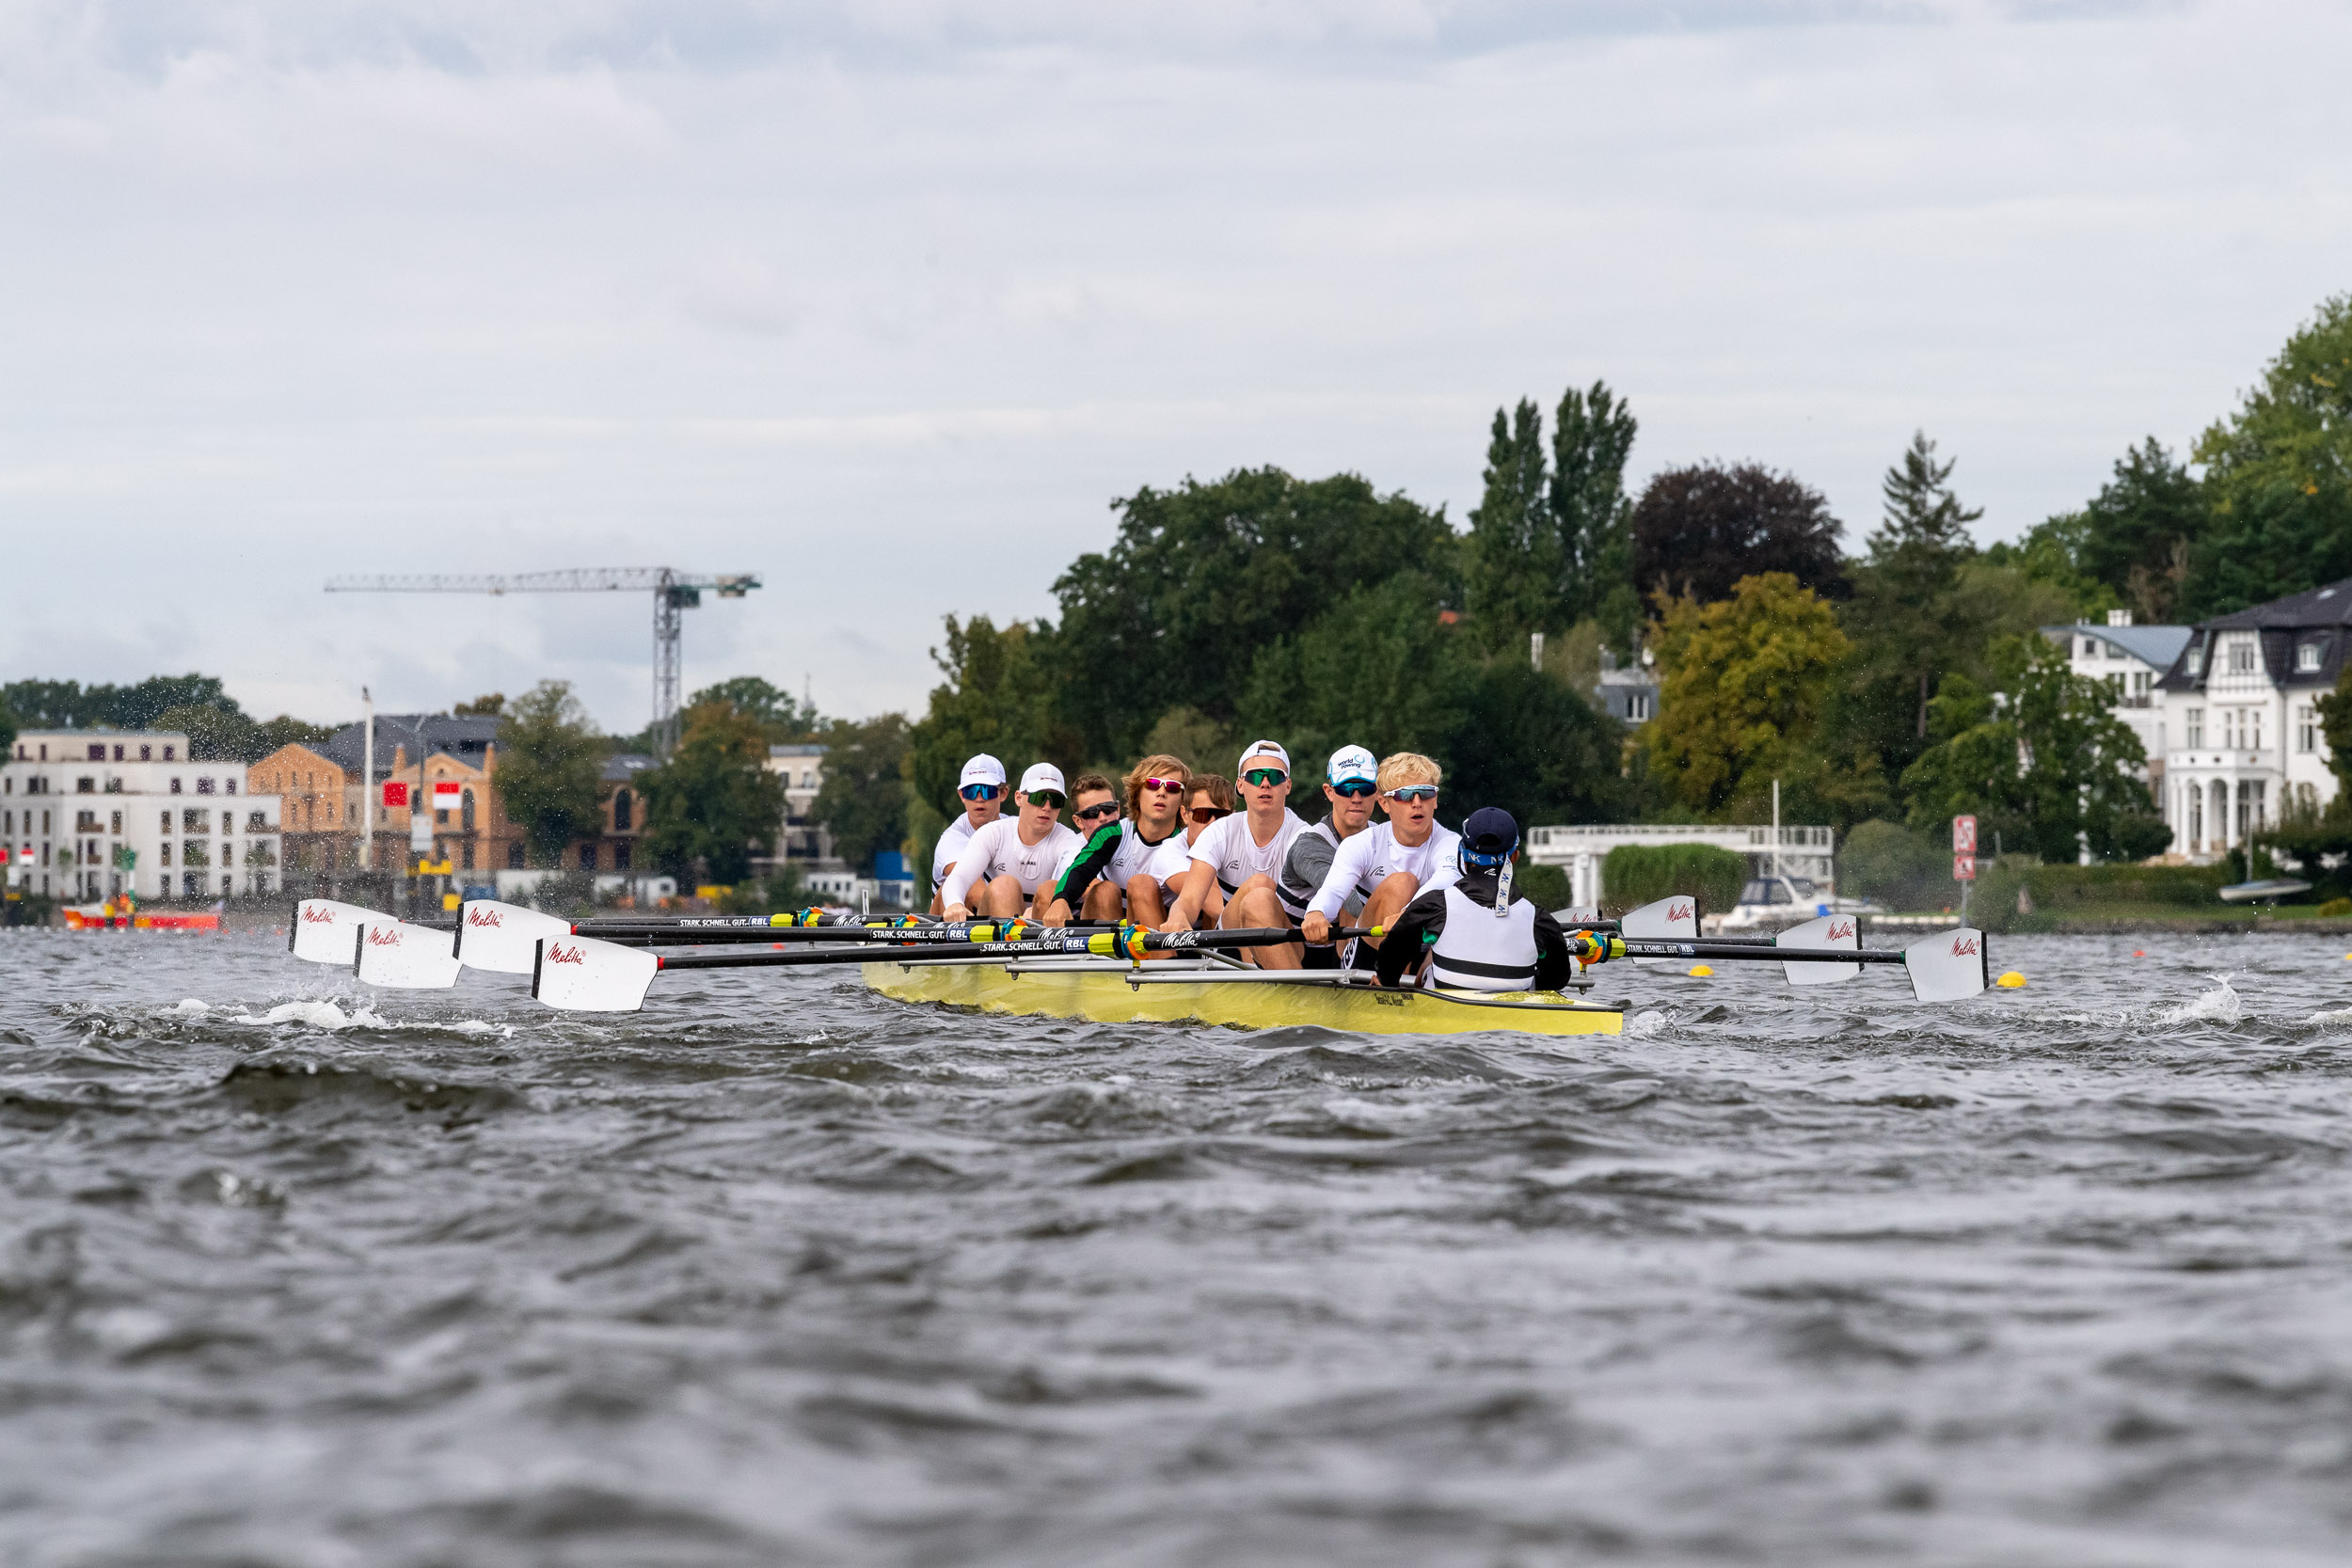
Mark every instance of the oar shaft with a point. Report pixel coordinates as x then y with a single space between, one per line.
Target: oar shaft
1734 950
1128 943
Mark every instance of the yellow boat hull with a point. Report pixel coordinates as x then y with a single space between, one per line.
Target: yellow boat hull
1108 995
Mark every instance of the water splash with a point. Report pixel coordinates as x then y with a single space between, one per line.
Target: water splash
2222 1004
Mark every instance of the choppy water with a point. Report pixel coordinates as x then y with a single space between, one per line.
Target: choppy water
780 1273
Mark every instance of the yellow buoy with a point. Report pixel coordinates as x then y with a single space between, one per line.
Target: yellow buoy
2012 981
1701 968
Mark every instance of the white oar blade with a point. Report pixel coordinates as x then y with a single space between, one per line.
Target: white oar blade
504 938
582 974
324 929
1830 931
1949 966
1675 919
400 957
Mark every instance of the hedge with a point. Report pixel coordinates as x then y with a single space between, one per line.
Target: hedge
1638 874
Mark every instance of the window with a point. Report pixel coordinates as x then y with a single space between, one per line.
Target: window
2196 660
464 854
515 857
2193 729
204 785
464 818
84 785
164 853
620 856
1637 707
587 857
166 822
175 787
2307 656
2141 681
117 754
167 751
2242 658
115 824
622 816
2090 647
147 753
2306 730
228 787
97 753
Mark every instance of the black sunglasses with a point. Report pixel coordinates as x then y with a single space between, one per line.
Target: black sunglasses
1054 799
1107 808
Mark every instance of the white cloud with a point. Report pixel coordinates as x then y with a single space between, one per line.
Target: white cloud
886 302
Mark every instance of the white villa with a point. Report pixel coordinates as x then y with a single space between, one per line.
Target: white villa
2130 660
90 812
2239 720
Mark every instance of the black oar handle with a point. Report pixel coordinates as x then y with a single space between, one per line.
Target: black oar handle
1124 943
1733 950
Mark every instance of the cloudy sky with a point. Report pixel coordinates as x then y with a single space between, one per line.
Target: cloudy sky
885 301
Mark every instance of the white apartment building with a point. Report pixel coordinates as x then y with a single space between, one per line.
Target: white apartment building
2241 719
89 814
2130 660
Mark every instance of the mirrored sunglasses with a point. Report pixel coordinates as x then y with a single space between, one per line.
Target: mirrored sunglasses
1355 789
1264 777
981 792
1209 814
1053 799
1414 792
1165 786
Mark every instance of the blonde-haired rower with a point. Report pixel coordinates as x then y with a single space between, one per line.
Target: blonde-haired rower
1390 865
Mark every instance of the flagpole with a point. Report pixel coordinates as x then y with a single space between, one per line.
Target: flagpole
367 790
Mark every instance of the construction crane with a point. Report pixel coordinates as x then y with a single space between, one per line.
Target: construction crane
674 592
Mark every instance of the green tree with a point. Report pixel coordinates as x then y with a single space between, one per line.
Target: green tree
45 705
547 776
2279 476
1592 439
2038 756
2051 554
1203 575
1904 618
2335 725
1888 862
714 802
776 711
863 800
2141 530
490 704
999 698
1511 558
1744 683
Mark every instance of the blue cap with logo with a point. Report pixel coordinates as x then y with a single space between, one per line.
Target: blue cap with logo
1354 765
1490 836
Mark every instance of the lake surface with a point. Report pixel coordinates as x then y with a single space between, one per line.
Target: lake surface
778 1272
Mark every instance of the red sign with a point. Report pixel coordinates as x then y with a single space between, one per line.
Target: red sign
395 793
1964 835
445 793
1963 868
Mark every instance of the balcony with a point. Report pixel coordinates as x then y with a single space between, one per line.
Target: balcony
2206 759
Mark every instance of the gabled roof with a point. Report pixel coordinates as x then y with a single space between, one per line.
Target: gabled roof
2318 615
624 766
2156 645
468 739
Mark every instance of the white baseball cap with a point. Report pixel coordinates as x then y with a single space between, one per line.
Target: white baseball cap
1262 749
1354 765
1042 775
982 769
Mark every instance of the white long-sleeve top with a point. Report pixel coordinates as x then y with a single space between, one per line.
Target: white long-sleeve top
1372 857
995 849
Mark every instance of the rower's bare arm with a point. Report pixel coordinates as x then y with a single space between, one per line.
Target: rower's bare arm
1197 881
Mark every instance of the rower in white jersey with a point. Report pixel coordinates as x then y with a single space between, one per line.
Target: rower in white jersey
1396 860
1110 878
1353 785
983 791
1243 857
998 872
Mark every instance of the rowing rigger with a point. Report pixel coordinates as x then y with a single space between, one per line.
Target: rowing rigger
604 965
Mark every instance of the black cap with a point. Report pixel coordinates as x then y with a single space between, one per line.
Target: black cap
1490 834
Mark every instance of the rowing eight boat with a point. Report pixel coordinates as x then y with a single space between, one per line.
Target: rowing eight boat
1108 991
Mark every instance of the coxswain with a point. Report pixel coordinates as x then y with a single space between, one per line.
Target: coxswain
1475 932
983 791
1393 863
1242 857
999 870
1107 878
1352 781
